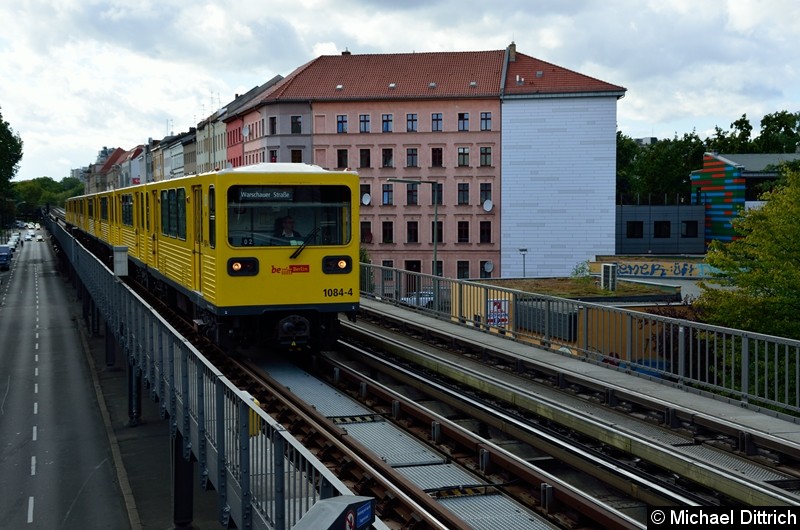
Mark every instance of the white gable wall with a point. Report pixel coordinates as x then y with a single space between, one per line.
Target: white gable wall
558 184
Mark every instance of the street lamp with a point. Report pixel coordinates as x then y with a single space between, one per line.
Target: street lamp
523 251
435 216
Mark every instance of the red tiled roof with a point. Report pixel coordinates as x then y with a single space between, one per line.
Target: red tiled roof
115 158
411 75
540 77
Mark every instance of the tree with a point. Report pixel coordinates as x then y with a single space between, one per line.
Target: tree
627 151
736 141
780 133
10 154
758 278
664 168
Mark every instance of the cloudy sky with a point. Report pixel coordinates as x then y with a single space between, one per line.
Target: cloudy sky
77 75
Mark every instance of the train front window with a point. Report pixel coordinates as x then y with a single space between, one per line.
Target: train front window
289 215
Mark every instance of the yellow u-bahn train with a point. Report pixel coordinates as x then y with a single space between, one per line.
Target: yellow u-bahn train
221 248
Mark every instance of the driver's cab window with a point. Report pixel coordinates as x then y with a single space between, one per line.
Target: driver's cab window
288 215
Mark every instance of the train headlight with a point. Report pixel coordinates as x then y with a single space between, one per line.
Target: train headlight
242 266
337 264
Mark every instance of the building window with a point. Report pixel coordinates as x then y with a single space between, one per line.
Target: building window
363 123
486 192
273 125
463 156
412 158
462 269
661 229
436 157
364 158
688 228
463 193
386 123
411 123
412 232
387 157
486 121
486 156
387 232
436 193
484 272
437 268
412 194
388 195
341 158
366 232
297 156
634 230
486 231
297 124
436 121
364 189
463 231
463 121
341 123
273 155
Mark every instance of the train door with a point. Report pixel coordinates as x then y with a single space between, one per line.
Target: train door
197 250
141 234
153 218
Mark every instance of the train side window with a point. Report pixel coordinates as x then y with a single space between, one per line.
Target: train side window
164 213
180 213
172 211
212 217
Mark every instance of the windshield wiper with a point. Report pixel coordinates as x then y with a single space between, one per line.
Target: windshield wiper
308 238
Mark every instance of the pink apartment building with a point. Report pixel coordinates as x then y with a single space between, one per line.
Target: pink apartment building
444 119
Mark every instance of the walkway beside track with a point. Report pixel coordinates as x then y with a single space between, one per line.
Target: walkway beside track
141 445
739 419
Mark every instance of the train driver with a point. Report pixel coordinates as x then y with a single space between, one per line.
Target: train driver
286 230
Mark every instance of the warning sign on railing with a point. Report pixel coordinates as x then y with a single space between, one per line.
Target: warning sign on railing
497 313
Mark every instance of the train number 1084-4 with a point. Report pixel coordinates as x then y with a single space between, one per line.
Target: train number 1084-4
334 293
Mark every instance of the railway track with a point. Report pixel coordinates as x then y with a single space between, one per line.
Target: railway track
702 455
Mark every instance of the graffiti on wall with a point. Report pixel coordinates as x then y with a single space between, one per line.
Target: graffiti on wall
664 269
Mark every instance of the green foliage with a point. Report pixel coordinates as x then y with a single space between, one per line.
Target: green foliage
759 277
363 255
736 141
779 133
627 151
10 154
663 168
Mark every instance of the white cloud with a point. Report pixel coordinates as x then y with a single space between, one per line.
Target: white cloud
78 75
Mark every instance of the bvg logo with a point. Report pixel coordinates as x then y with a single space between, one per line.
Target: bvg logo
291 269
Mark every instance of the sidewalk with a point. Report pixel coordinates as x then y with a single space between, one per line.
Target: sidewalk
142 453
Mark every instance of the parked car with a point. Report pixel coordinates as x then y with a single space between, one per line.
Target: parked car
5 257
419 299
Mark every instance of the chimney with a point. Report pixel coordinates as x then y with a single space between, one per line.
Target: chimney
512 52
346 52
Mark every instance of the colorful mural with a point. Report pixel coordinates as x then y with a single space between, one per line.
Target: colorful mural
720 186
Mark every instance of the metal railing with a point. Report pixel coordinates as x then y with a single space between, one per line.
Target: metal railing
755 370
264 477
